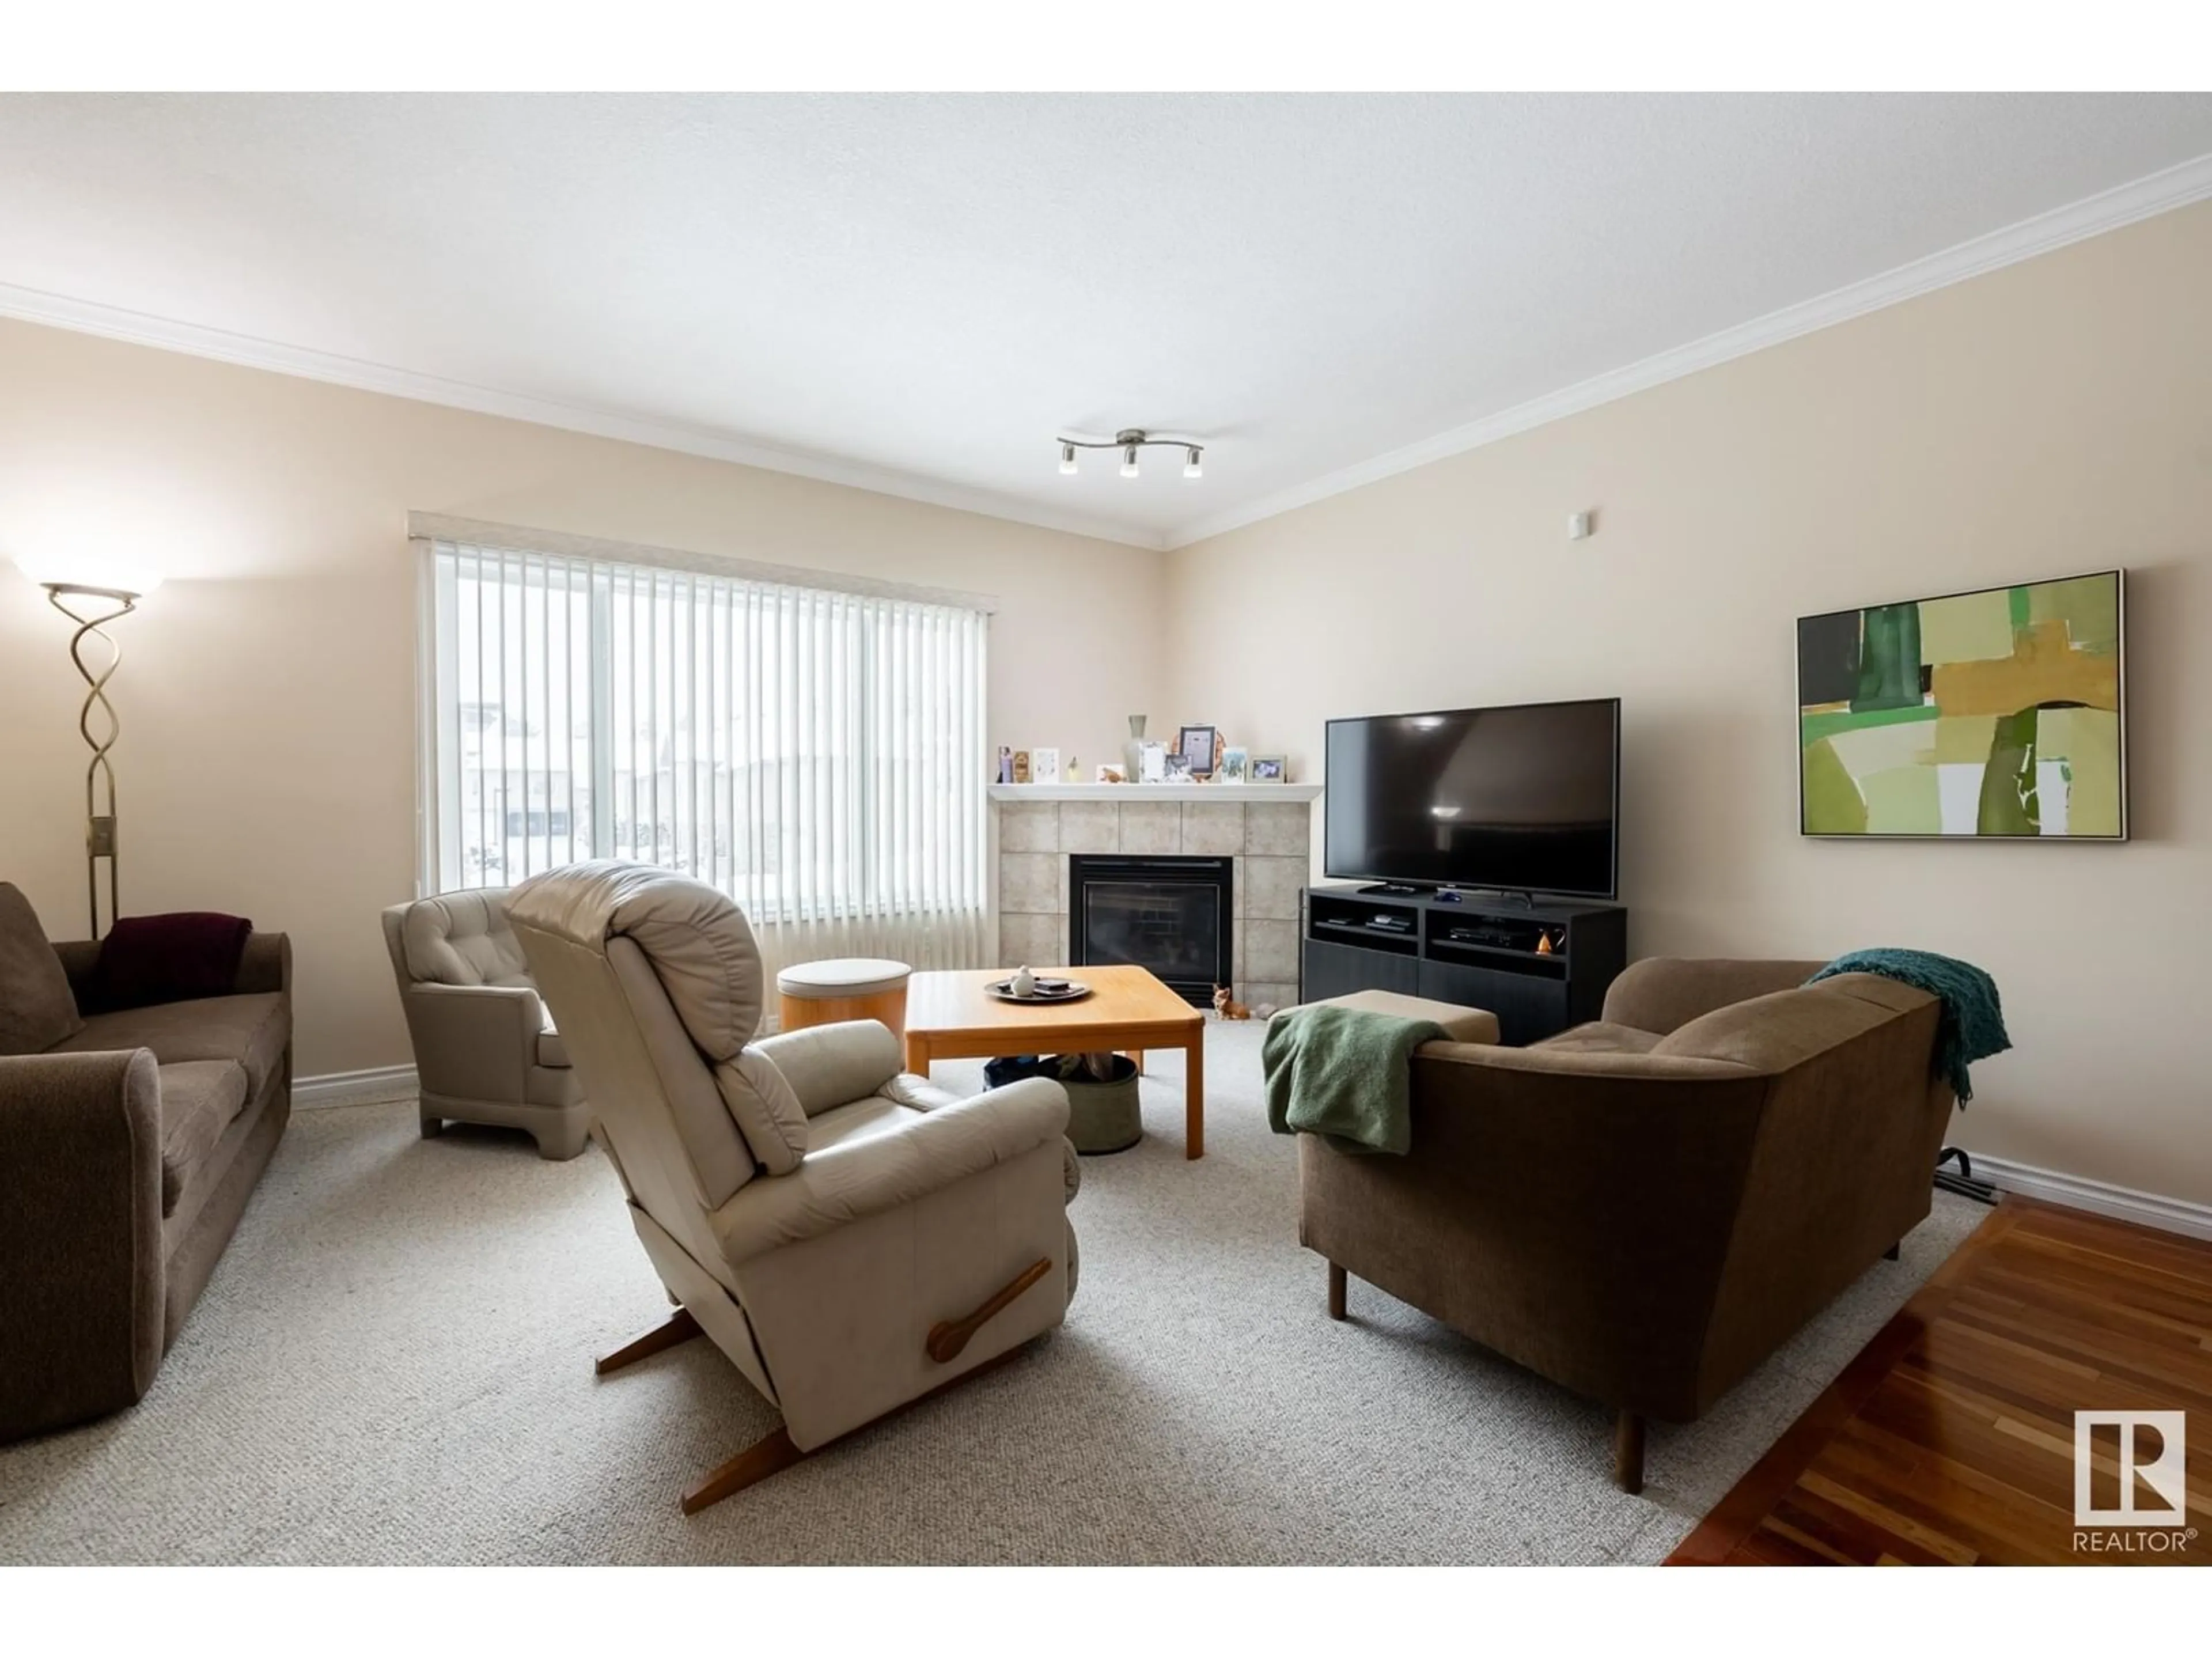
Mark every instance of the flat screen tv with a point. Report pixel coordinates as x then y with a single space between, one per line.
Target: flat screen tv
1520 798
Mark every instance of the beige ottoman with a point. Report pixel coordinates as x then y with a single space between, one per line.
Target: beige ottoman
846 987
1461 1025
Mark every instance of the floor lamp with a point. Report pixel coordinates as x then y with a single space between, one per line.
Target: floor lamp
92 608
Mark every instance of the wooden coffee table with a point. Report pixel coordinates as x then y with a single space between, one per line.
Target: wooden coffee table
950 1016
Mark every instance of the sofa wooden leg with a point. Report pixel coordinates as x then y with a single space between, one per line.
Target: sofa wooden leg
1893 1251
771 1455
433 1125
680 1327
1336 1286
1628 1453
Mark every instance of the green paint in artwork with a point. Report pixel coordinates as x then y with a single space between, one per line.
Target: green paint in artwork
1813 727
2008 805
2088 605
1964 739
2023 607
1833 804
1889 656
1966 627
2088 741
1903 801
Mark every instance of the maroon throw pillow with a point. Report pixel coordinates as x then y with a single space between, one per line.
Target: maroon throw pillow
169 958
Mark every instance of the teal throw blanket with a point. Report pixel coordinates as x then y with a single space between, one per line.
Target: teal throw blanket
1346 1073
1973 1026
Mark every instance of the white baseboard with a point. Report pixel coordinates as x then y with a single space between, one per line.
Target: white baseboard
2173 1215
378 1084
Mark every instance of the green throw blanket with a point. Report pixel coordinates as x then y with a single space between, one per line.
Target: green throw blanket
1346 1073
1972 1025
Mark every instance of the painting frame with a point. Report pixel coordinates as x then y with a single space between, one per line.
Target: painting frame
2017 594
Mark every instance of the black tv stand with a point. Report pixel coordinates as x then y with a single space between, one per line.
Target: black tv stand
1540 965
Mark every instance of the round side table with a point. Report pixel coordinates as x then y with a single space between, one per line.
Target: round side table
845 987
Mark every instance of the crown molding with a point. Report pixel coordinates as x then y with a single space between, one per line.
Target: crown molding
2160 192
166 334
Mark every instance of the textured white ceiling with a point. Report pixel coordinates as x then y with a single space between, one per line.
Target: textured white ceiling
918 291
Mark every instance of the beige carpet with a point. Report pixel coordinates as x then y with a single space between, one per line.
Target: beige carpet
393 1364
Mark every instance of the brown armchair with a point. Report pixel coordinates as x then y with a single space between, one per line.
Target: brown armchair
1645 1207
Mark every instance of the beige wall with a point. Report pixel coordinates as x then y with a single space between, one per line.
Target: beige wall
2051 417
267 695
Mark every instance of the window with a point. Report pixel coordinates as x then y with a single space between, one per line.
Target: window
818 755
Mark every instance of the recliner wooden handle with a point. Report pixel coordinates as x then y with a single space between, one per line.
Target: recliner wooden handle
948 1337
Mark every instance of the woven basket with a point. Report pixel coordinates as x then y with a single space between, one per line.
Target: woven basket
1104 1117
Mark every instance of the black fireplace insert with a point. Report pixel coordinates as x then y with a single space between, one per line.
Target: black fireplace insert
1172 916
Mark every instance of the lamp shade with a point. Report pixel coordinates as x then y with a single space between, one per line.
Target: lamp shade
115 571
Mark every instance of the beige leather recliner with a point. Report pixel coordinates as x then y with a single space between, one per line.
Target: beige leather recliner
851 1236
485 1051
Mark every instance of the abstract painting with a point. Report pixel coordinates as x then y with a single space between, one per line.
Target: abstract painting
1994 713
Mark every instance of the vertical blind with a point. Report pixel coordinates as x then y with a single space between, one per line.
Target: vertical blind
817 755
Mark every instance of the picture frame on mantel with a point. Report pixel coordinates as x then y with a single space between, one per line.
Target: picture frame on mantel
1199 747
1267 768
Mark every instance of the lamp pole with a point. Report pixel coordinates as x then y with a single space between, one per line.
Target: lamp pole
100 841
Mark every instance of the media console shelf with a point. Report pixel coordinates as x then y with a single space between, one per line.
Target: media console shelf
1540 966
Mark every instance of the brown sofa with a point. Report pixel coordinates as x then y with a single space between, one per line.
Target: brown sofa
1644 1208
128 1149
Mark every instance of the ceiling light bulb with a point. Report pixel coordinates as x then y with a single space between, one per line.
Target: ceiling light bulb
1192 467
1068 459
1130 461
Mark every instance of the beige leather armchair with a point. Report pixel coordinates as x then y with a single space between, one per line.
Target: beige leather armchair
850 1237
485 1050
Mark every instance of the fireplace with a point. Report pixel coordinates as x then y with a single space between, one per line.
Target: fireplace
1172 916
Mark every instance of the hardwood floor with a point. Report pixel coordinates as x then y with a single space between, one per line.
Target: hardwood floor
1950 1439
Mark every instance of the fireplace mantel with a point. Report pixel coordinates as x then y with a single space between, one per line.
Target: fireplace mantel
1266 830
1225 794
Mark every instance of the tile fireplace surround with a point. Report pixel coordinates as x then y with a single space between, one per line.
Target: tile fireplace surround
1265 828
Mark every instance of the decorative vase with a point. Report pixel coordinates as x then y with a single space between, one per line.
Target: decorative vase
1136 727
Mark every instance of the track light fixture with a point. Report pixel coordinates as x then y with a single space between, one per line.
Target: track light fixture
1129 441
